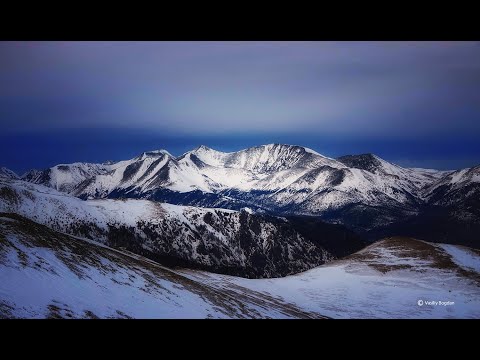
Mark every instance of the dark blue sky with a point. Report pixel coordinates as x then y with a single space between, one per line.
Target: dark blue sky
413 103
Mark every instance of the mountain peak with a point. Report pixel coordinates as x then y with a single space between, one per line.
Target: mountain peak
208 155
154 153
203 147
293 147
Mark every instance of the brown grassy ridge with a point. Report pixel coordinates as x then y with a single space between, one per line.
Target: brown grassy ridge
410 248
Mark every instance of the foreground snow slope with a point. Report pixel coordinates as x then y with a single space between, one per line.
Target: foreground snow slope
385 280
46 274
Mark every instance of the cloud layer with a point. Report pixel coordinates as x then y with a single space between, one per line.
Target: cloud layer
363 88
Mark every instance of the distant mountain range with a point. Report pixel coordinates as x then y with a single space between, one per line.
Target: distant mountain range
367 194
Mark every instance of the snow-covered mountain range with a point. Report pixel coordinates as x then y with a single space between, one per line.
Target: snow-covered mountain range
146 230
363 192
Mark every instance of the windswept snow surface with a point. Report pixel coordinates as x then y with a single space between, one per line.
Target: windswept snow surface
463 256
385 280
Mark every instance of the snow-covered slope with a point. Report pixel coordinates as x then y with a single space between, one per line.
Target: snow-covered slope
385 280
7 173
459 194
452 210
46 274
65 177
454 187
140 172
412 179
221 240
